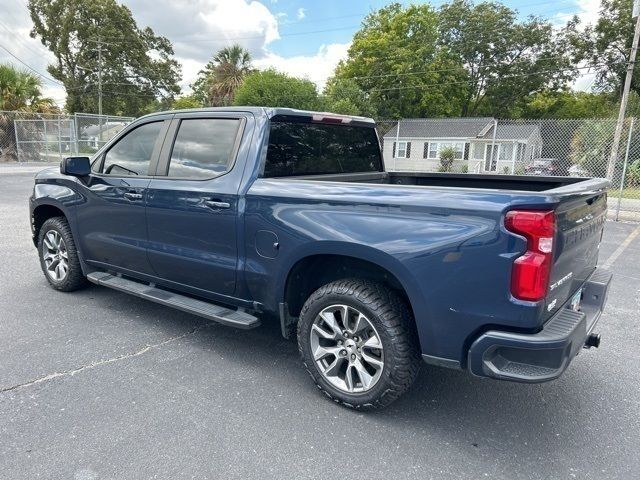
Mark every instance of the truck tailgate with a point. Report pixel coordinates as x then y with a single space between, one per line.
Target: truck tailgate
579 223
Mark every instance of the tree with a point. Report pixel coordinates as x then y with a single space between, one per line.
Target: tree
566 104
137 66
395 59
460 60
505 59
21 90
269 88
344 95
185 101
217 82
606 45
591 146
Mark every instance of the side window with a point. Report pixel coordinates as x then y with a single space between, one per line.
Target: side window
131 155
203 147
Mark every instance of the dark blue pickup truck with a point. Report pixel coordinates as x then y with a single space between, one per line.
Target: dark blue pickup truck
241 214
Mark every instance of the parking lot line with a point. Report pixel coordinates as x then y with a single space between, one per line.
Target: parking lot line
623 246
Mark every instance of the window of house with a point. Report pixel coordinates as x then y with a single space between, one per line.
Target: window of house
203 147
506 151
436 147
401 151
477 152
433 150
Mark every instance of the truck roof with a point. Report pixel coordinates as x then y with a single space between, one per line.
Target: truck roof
270 112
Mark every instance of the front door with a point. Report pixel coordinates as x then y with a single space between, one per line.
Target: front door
491 157
192 205
112 224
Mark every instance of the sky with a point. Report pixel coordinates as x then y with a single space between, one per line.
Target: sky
304 38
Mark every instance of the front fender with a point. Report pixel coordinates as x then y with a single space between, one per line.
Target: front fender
57 191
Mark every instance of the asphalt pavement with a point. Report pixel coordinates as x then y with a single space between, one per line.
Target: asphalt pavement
97 384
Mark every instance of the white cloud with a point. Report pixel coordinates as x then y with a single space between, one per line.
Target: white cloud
197 29
14 35
588 11
301 13
316 68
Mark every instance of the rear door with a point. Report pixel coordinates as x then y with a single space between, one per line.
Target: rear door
580 222
112 223
192 203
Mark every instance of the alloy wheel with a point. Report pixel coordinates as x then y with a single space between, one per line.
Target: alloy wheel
347 349
55 256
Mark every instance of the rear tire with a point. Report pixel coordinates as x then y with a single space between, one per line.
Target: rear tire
367 361
59 256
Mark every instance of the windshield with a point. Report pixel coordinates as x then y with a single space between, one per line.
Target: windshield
305 148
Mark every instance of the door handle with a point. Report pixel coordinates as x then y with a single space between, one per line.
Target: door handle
133 196
216 204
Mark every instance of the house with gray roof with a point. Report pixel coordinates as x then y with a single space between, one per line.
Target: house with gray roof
481 144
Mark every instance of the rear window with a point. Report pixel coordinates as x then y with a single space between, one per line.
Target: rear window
304 148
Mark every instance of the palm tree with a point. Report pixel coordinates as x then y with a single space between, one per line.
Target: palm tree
22 91
19 91
230 66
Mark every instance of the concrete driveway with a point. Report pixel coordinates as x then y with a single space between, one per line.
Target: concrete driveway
100 385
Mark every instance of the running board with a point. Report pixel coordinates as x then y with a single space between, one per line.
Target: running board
211 311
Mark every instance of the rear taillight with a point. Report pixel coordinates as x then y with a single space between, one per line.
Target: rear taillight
531 271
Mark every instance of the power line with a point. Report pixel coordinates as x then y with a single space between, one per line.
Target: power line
40 54
488 64
30 67
440 84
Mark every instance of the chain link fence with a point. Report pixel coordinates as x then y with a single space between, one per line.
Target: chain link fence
547 147
35 137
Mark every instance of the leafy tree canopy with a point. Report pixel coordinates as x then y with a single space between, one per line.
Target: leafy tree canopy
138 69
269 88
506 59
185 101
344 95
606 45
395 58
460 60
566 104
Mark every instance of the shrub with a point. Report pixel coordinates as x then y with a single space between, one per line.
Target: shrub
447 156
633 174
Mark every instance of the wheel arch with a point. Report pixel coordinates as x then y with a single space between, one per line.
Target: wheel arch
309 272
42 213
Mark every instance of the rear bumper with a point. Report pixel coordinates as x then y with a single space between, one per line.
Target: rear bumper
542 356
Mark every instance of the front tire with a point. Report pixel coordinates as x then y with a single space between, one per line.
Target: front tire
59 256
358 342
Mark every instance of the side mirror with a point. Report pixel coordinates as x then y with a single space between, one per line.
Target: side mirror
75 166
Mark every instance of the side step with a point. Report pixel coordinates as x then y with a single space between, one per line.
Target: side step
226 316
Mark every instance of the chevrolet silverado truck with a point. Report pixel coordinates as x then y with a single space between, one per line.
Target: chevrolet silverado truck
245 214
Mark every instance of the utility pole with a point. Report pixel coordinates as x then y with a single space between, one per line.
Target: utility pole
99 77
625 93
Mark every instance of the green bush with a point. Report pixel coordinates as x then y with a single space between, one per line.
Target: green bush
447 156
633 174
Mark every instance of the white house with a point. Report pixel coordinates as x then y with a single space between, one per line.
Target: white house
415 144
